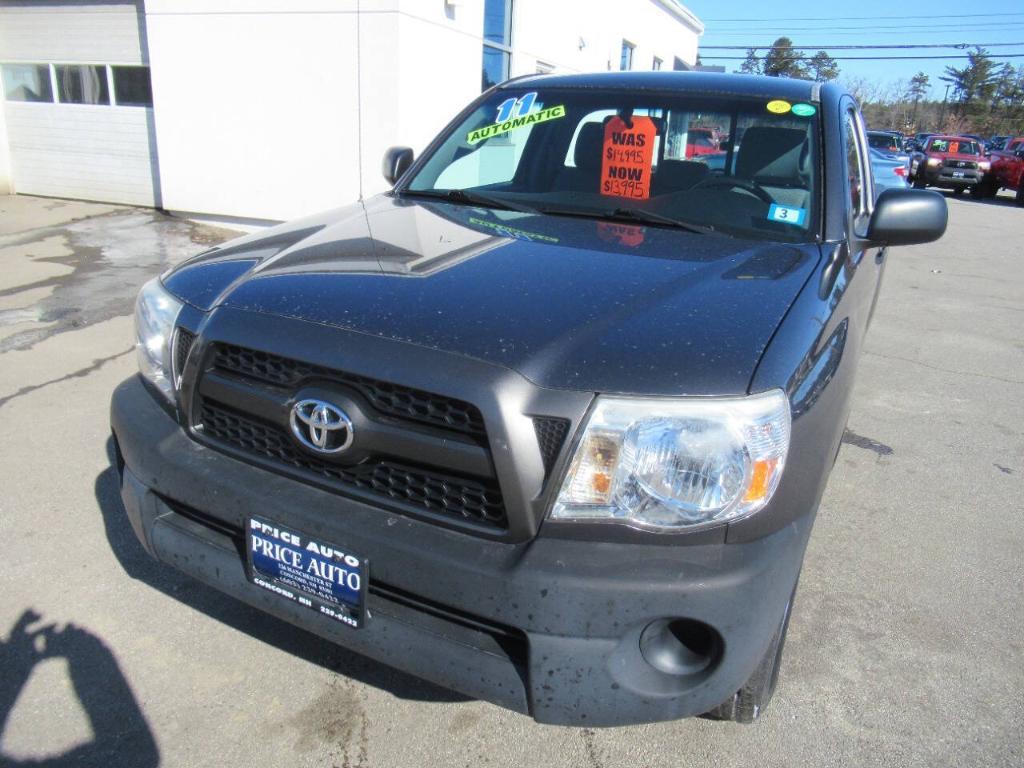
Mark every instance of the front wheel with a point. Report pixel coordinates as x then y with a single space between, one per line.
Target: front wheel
919 182
747 704
1019 197
984 189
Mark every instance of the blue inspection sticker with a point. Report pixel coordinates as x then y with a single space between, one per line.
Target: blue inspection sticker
787 215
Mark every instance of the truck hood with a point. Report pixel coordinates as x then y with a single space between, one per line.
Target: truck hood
569 303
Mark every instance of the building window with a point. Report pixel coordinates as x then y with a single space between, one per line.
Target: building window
132 87
626 62
656 64
497 41
82 84
27 82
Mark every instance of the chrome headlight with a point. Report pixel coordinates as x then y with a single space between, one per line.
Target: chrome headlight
670 464
155 314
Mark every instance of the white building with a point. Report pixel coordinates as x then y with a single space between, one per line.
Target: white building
270 109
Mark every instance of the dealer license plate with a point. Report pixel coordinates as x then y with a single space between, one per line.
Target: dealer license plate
321 576
958 174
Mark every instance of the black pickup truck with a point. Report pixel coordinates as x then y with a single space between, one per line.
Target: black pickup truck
549 422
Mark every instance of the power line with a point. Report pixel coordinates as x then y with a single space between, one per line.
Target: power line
858 47
839 33
864 18
880 58
980 27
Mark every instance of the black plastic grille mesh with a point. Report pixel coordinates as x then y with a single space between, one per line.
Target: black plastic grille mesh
550 437
416 487
183 341
391 399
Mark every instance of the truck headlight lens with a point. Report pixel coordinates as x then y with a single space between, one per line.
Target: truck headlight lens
155 314
984 165
669 464
934 161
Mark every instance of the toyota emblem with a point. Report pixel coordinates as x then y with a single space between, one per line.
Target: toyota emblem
321 426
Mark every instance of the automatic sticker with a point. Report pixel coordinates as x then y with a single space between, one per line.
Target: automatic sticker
514 114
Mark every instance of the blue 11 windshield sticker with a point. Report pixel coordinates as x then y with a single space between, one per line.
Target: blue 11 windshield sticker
787 215
516 113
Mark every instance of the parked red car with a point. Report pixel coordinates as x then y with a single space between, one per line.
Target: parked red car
1006 172
701 141
950 162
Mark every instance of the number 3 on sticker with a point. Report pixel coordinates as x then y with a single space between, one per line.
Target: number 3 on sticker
786 215
520 106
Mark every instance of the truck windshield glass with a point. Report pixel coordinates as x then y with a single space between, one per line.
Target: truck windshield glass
883 141
955 146
743 167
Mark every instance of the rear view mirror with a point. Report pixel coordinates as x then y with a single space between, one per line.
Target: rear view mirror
396 162
908 217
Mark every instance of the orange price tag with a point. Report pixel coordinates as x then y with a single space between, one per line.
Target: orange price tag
627 158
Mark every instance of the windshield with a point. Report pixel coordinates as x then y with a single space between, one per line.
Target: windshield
883 141
955 146
744 167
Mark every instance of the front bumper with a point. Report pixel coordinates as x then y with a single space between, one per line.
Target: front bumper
549 627
943 177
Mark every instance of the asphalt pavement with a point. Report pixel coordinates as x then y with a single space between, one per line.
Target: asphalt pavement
905 646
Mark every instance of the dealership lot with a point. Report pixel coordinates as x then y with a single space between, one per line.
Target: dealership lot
904 646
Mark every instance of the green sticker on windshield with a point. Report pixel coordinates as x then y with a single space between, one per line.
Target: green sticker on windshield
803 110
541 116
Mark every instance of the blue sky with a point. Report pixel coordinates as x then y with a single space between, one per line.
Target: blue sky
824 23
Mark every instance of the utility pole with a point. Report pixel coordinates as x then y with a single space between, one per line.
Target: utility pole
942 119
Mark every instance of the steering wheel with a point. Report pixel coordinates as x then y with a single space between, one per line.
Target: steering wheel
733 182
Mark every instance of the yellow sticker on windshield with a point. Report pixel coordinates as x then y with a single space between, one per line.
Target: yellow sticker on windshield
532 118
779 107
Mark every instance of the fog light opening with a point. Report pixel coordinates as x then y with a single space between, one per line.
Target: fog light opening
680 646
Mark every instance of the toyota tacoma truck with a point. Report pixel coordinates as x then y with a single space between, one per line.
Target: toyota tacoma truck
549 422
1007 171
950 162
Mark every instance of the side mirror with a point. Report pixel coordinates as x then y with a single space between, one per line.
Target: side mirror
908 217
396 162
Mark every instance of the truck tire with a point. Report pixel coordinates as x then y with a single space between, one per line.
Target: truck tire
919 182
983 189
747 704
1019 197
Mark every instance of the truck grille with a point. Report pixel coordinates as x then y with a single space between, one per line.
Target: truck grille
183 341
961 164
550 437
374 479
239 422
391 399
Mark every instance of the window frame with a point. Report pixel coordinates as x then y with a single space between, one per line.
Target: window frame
49 82
55 79
627 56
505 47
54 83
866 202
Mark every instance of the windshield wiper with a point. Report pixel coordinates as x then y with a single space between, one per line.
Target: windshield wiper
630 214
465 197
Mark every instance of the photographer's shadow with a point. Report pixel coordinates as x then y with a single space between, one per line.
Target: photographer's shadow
121 735
268 629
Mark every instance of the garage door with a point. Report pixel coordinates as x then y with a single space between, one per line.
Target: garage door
77 100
